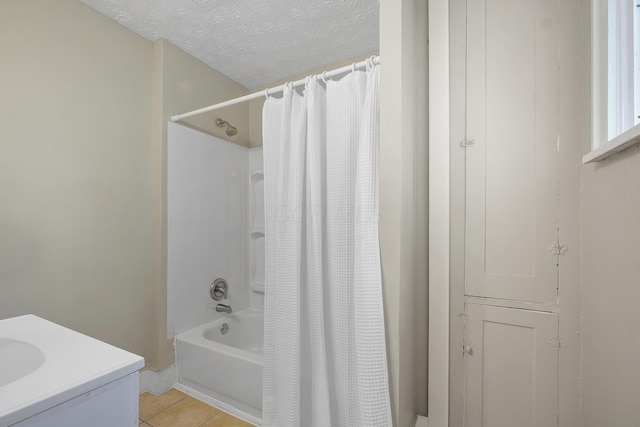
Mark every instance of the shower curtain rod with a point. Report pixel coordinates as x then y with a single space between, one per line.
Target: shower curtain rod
271 91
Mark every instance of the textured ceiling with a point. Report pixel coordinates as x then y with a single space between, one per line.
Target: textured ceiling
254 42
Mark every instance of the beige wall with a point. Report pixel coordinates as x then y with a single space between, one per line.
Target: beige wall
610 213
611 291
75 134
181 83
403 197
189 84
82 168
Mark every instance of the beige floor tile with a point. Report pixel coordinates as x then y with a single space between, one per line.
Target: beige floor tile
150 404
225 420
188 412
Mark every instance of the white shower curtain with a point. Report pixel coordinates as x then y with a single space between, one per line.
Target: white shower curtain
325 355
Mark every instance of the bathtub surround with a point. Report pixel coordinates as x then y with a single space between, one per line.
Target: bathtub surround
255 193
325 355
180 83
207 181
216 230
215 227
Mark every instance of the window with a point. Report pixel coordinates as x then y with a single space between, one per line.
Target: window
615 76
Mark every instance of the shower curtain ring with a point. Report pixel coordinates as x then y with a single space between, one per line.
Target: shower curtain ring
323 76
266 93
353 67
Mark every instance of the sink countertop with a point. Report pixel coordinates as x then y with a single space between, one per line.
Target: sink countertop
74 364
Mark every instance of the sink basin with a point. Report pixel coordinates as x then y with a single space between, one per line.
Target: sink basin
49 373
18 359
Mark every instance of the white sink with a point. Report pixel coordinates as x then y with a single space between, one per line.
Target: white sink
46 369
18 359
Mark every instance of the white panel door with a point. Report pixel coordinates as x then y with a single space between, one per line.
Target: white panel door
511 367
512 164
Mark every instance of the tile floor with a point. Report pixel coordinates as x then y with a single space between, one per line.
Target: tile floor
173 408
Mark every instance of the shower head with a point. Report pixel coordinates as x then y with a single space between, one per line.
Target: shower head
230 129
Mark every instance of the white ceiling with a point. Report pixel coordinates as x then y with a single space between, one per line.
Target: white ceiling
254 42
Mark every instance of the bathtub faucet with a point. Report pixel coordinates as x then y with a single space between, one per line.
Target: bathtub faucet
223 308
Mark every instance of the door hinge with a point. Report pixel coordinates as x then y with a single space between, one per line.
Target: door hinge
558 249
467 143
555 343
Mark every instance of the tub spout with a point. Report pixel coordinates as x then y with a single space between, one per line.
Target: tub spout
223 308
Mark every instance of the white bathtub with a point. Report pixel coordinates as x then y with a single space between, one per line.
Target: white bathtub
225 367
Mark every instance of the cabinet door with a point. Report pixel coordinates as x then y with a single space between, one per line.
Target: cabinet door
512 164
511 367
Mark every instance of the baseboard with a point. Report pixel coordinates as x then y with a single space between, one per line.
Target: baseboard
422 422
157 382
229 409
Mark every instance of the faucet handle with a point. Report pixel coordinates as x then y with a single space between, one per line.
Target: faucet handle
218 289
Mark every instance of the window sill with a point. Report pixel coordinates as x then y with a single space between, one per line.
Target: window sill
617 144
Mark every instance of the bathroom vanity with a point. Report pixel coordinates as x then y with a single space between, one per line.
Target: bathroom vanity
55 377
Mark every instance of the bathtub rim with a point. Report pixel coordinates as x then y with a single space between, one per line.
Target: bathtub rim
196 337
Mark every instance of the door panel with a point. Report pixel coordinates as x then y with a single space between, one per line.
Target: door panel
510 367
512 165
